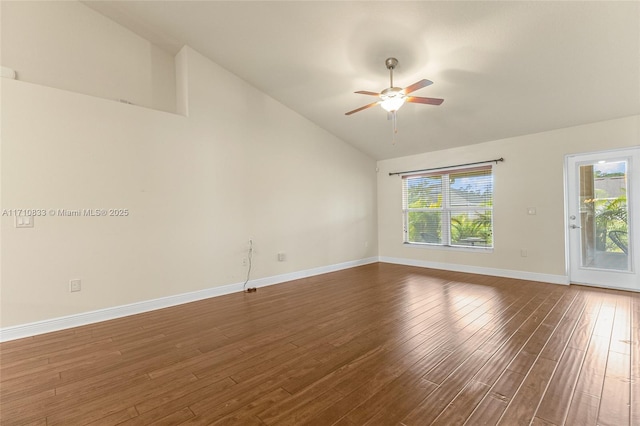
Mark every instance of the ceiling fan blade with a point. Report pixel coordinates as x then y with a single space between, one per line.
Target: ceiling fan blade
364 92
419 100
417 85
361 108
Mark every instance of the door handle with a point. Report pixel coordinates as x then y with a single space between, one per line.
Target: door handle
575 227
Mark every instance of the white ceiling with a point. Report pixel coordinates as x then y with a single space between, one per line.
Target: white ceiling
503 68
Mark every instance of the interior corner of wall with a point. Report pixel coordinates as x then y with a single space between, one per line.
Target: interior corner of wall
182 81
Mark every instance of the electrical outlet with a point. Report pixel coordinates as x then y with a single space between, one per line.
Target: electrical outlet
281 257
75 285
523 252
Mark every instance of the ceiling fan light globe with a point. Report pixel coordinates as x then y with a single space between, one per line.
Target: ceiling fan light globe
392 99
393 103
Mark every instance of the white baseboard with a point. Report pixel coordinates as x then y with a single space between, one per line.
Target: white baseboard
62 323
507 273
277 279
76 320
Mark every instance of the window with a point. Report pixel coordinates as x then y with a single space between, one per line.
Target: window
449 208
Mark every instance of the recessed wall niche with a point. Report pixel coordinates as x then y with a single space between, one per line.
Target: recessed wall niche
70 46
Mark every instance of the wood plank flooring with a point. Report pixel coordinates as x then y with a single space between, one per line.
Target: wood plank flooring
379 344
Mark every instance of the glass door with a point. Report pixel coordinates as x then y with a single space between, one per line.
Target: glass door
602 197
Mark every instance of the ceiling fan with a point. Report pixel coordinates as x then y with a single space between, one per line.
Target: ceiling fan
392 98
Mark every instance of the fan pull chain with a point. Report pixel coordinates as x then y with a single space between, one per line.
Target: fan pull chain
394 118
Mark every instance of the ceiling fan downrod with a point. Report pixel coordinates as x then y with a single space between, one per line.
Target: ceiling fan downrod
391 63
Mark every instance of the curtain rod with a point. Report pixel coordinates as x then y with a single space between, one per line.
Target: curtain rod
446 167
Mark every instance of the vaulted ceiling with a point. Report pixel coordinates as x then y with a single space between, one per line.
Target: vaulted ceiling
504 68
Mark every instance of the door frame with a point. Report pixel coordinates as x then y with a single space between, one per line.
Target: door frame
628 278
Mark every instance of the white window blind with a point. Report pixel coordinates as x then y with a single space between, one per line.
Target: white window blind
449 208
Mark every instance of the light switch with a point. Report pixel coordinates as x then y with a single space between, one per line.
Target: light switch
75 285
24 221
531 210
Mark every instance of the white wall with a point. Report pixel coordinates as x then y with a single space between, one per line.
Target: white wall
530 176
67 45
197 189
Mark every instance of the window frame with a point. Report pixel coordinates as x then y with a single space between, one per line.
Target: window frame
446 210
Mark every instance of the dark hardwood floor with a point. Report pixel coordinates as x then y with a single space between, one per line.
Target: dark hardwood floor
379 344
